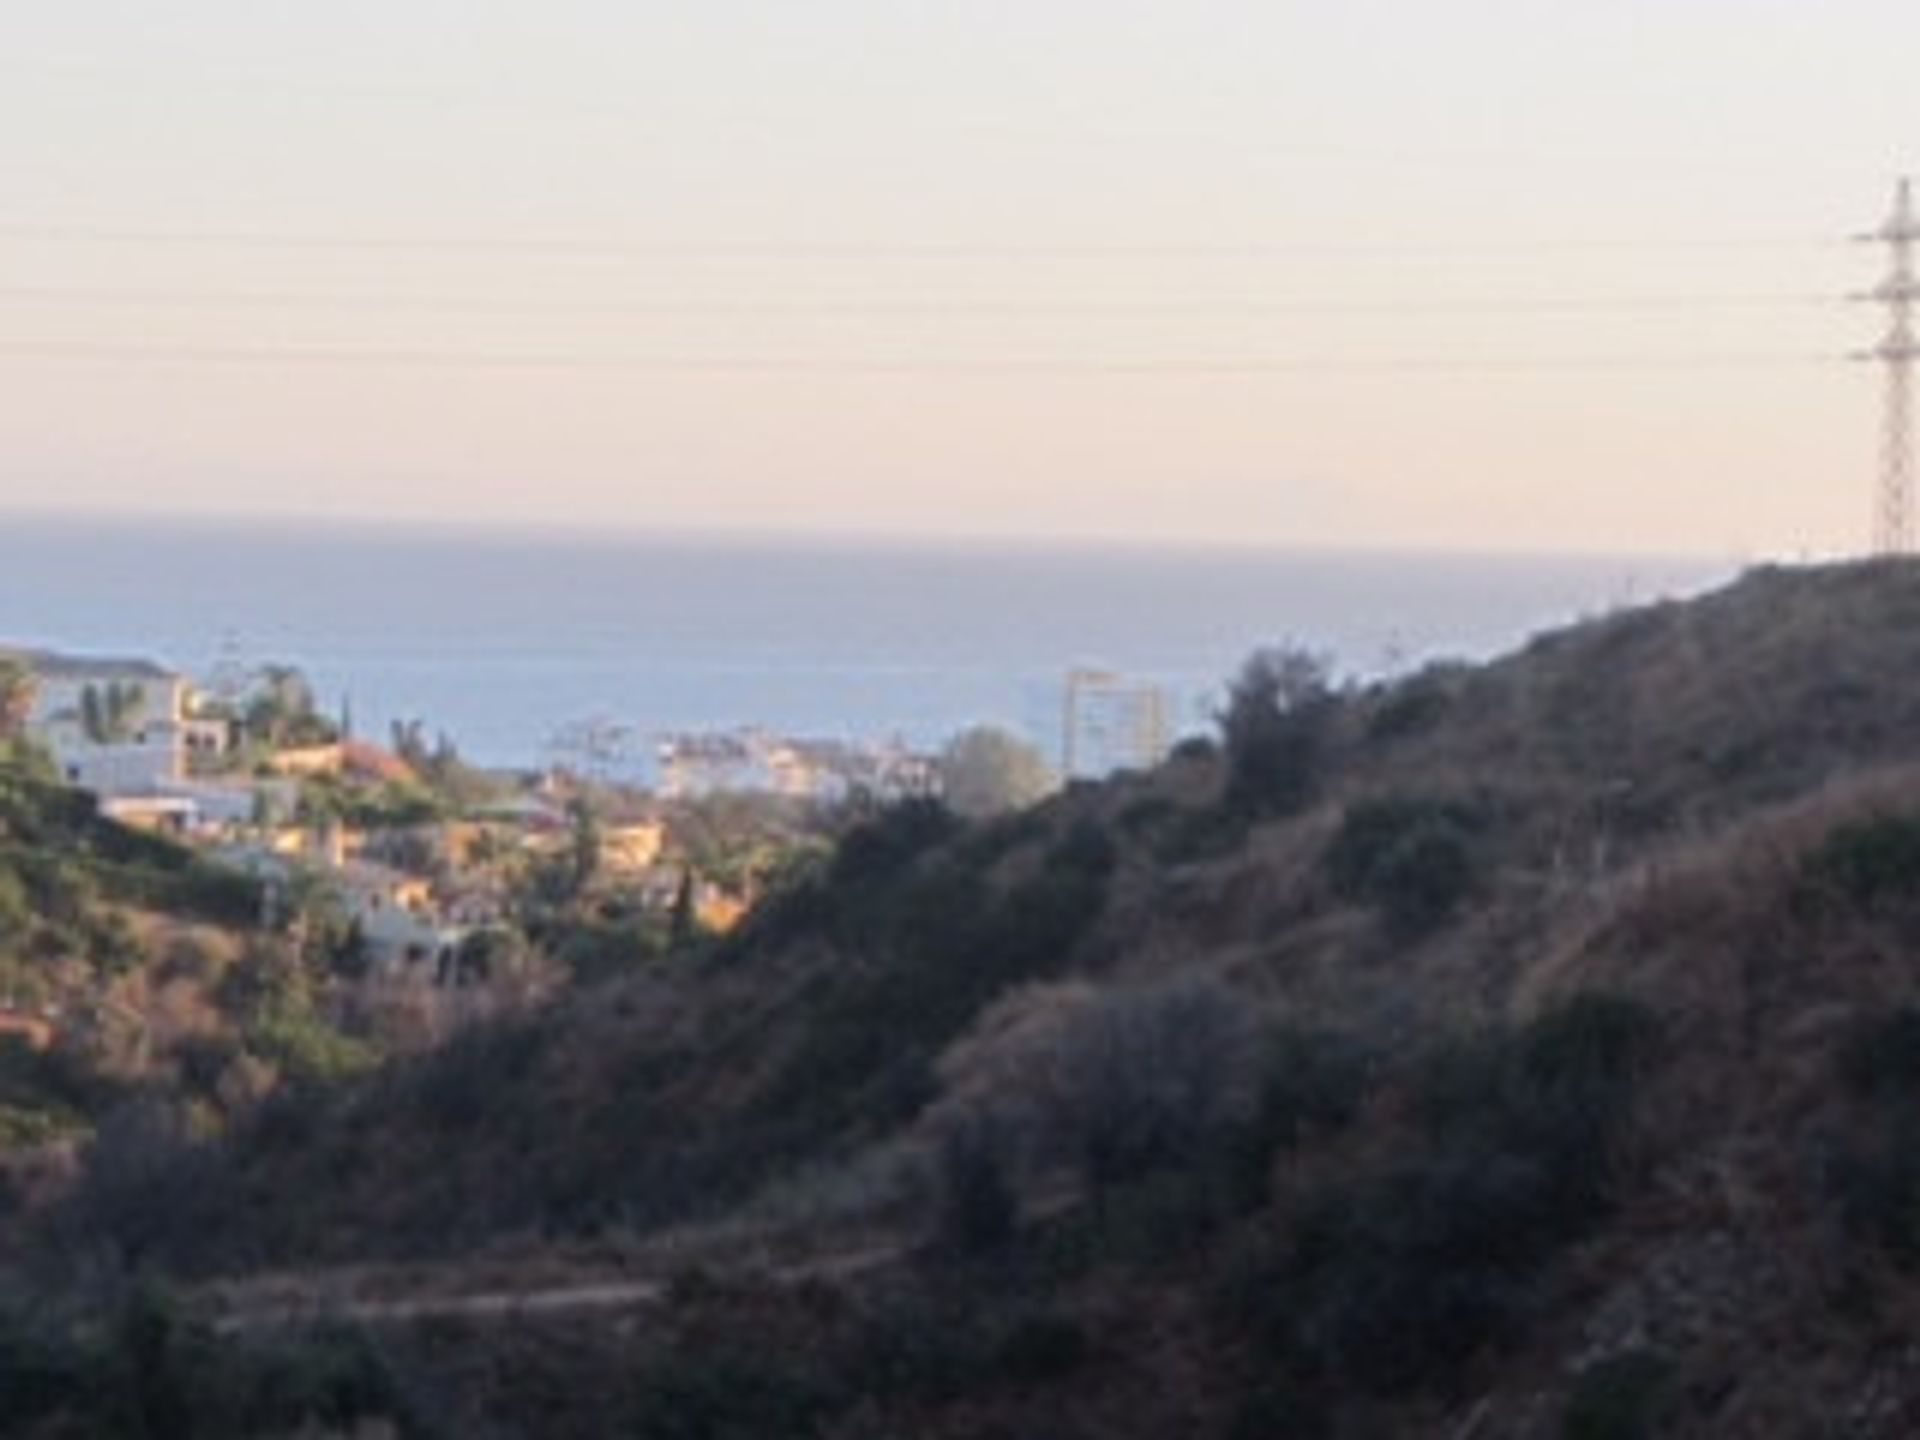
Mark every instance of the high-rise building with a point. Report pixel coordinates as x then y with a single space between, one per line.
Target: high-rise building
1111 722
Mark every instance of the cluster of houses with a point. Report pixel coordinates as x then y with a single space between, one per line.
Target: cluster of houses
750 760
139 738
127 730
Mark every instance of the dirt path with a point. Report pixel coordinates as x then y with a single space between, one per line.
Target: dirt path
322 1302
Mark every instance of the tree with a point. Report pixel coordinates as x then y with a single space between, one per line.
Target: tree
16 697
409 741
583 851
92 717
685 920
985 771
280 711
1274 730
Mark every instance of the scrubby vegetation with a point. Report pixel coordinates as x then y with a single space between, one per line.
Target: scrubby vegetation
148 1369
1518 1050
138 982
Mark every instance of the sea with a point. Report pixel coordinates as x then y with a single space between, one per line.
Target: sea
544 646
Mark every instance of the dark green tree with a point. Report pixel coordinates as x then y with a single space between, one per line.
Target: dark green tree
1274 731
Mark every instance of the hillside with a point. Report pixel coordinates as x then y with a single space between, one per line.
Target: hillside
136 982
1522 1050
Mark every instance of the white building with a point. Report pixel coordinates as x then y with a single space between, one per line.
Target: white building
114 726
1112 723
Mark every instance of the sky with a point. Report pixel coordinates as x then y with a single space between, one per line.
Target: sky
1513 276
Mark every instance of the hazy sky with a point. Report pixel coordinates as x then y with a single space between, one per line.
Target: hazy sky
1530 275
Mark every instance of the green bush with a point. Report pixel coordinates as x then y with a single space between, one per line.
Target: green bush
22 1127
1309 1083
1275 732
147 1193
1871 865
307 1049
144 1369
1413 858
1425 877
1146 1079
200 891
1873 1173
1559 1090
1413 707
891 841
1086 849
593 952
1397 1278
1397 1282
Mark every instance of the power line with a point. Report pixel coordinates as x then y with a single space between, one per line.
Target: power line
270 356
1208 305
809 251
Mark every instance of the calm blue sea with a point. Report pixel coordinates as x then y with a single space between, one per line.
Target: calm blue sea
503 640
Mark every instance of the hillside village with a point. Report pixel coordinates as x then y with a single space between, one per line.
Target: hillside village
422 862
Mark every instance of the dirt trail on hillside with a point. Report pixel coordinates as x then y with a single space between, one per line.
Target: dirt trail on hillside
324 1299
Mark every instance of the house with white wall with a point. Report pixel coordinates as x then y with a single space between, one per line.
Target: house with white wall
114 726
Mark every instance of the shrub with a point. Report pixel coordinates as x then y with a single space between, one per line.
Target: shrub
1424 878
891 841
985 771
143 1368
201 891
1274 731
1278 1406
1149 1078
1308 1082
307 1049
1042 1347
1411 857
1880 1059
922 1344
1414 706
1397 1282
1874 1174
39 1375
1196 750
1086 849
147 1192
1618 1399
1147 813
592 952
1559 1091
463 1081
1876 1185
1871 865
699 1394
1203 834
1397 1279
978 1209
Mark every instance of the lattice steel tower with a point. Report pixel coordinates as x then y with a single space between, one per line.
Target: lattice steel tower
1897 352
